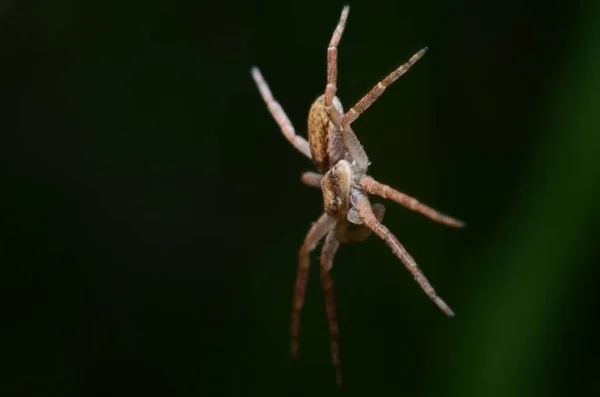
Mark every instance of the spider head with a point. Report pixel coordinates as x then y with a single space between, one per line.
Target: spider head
337 186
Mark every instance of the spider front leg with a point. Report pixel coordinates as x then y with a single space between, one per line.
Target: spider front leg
318 230
350 140
375 92
331 87
361 202
279 115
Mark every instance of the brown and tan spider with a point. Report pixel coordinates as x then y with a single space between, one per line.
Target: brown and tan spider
349 216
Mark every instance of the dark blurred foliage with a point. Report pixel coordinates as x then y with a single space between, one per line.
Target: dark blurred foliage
153 210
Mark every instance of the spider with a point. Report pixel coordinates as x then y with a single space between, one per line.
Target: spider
342 163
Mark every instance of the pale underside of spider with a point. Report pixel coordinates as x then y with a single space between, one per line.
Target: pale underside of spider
342 163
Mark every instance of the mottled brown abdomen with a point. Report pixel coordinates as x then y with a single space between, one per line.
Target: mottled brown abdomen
318 139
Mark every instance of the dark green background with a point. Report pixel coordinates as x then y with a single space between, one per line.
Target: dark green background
154 210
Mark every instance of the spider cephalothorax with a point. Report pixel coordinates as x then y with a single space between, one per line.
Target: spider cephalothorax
342 162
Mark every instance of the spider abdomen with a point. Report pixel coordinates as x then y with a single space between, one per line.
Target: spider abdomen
326 145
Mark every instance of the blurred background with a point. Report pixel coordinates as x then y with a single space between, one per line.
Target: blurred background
153 210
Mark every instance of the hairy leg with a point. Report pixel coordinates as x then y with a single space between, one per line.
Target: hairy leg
318 230
355 231
371 186
367 100
327 254
279 115
350 140
312 179
362 204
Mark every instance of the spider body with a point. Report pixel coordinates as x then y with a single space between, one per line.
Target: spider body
348 213
329 155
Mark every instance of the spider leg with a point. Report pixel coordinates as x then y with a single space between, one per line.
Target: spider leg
362 204
367 100
349 138
327 254
279 114
387 192
331 87
318 230
312 179
355 230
